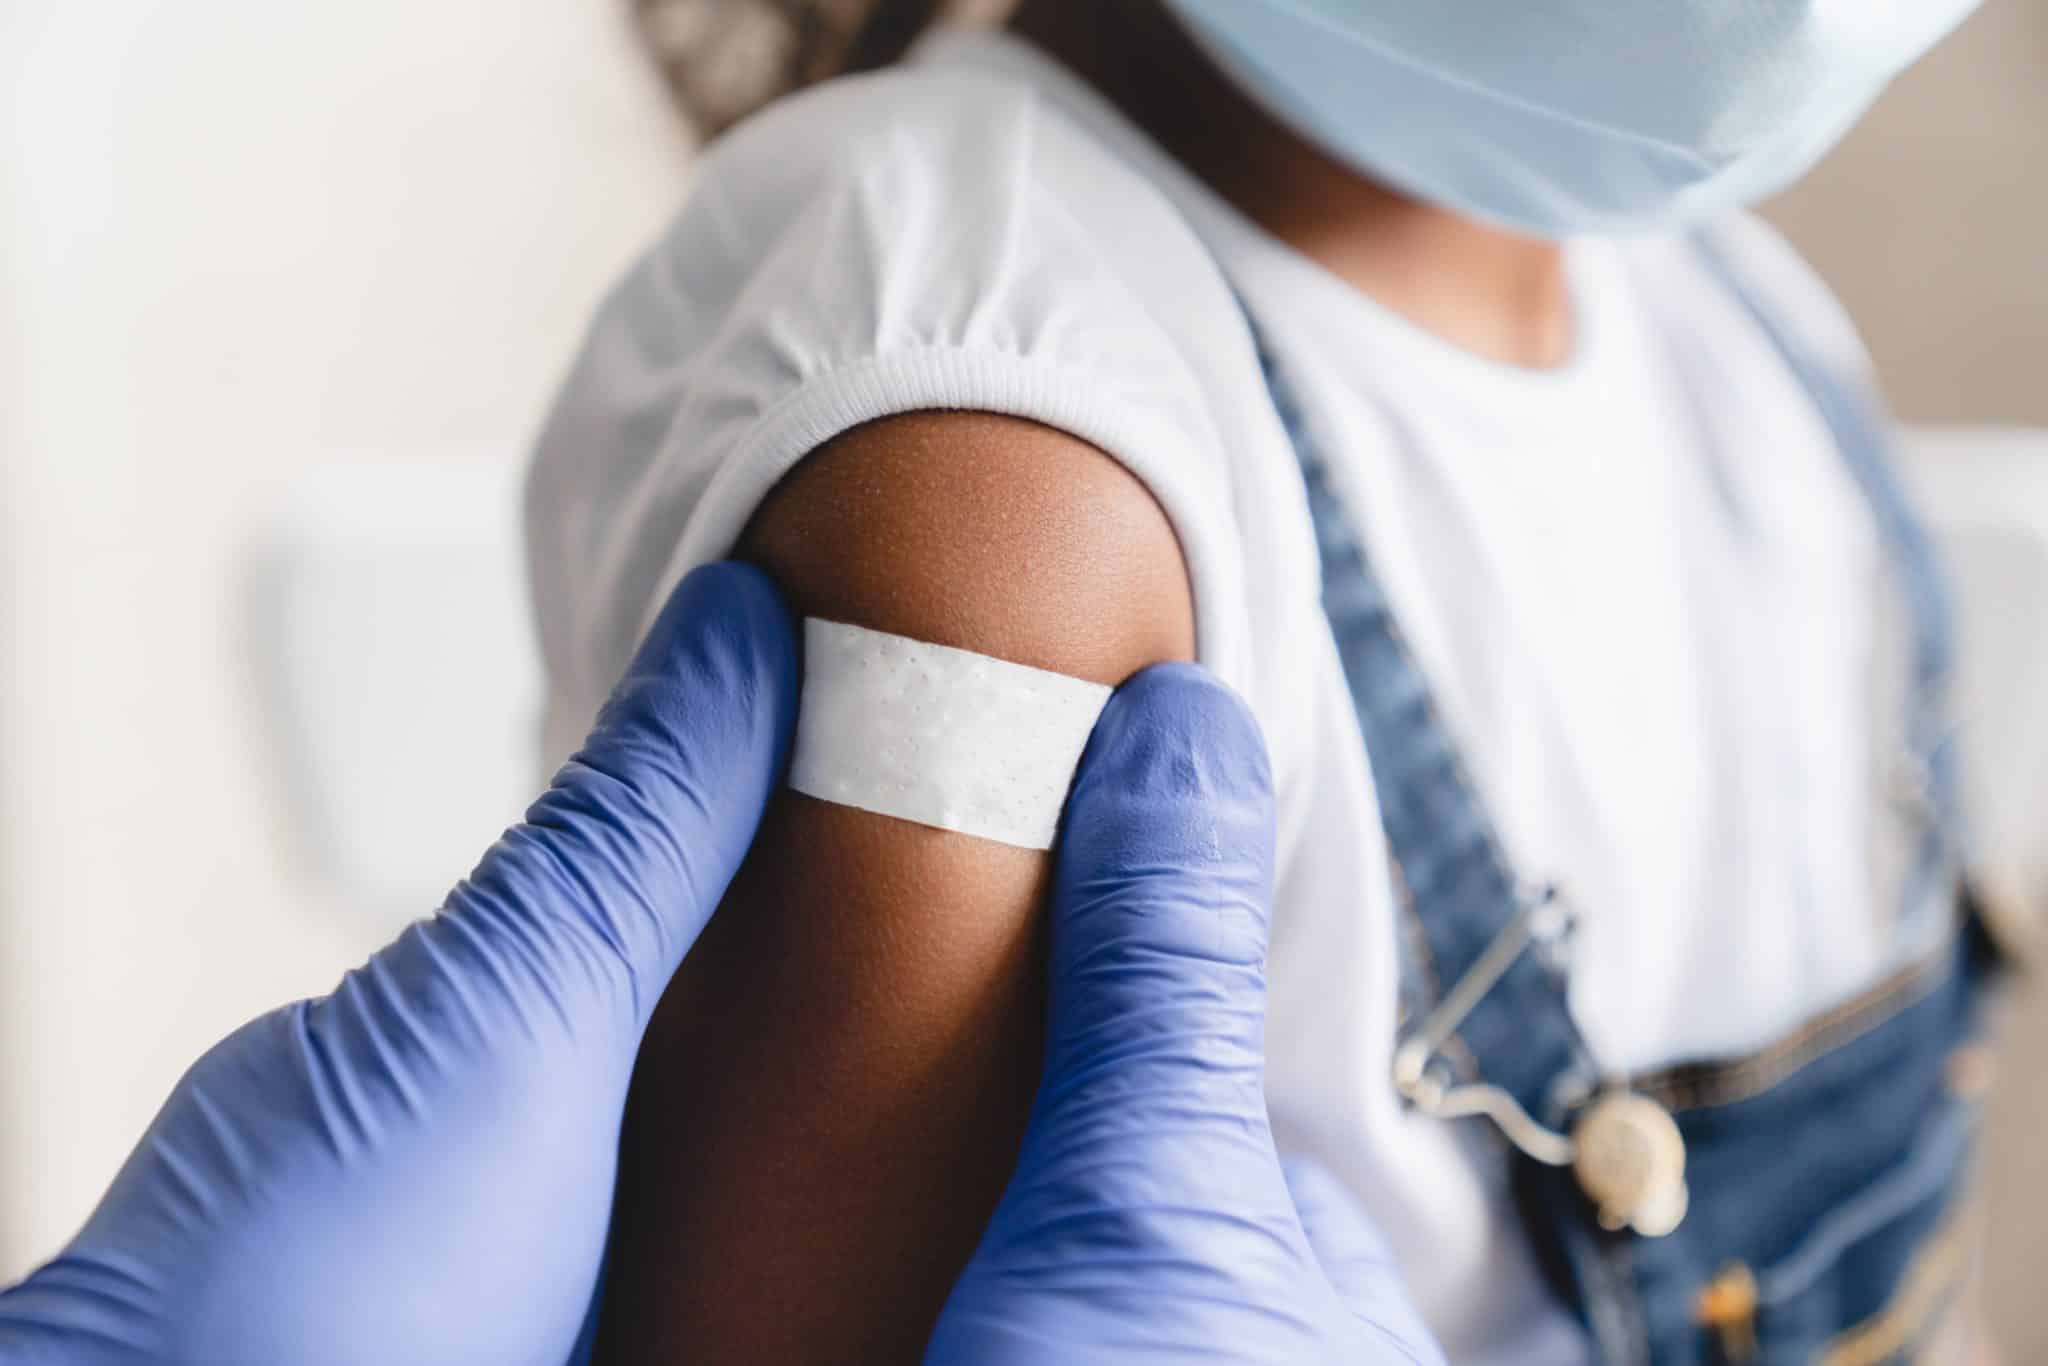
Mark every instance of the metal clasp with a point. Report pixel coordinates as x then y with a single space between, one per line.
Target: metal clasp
1545 922
1625 1150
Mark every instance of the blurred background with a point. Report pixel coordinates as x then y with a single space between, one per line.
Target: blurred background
283 292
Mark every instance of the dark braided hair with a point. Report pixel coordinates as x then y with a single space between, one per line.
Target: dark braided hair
724 58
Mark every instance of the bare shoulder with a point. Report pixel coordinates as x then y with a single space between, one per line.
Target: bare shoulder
991 533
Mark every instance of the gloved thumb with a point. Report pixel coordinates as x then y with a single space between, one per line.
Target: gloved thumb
1153 1097
1148 1209
616 868
1161 897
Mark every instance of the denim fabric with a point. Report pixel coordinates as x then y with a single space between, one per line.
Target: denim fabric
1825 1171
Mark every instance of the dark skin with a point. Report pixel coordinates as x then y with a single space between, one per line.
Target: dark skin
874 987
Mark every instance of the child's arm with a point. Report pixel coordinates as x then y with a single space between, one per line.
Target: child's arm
874 986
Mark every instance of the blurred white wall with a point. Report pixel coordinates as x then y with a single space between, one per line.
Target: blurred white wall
238 237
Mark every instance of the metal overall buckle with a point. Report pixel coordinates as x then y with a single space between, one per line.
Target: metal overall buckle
1624 1149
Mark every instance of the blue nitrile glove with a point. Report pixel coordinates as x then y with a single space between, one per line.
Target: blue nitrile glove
1150 1220
418 1168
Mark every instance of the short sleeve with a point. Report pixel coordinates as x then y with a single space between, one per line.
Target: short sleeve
920 239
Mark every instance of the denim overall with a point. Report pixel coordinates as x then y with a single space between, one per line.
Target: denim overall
1814 1211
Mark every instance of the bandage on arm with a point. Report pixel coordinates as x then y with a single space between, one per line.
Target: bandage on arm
858 1028
937 735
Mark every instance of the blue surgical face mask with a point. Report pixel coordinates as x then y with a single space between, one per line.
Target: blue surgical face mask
1567 116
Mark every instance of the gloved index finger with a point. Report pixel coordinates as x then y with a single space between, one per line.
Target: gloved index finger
1357 1261
632 846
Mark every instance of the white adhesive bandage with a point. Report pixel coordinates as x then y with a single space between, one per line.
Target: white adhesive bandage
939 736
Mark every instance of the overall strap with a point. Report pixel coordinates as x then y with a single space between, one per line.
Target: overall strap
1924 776
1478 932
1475 930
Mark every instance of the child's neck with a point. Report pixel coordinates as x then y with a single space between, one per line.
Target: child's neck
1492 292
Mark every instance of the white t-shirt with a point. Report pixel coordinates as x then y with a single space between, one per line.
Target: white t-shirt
1641 585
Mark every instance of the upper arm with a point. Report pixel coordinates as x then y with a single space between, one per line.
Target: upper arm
990 533
857 1031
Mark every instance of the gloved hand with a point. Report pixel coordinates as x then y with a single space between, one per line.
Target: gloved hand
418 1168
1150 1219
